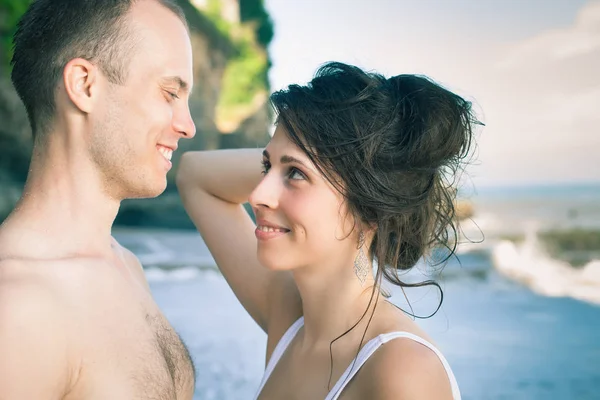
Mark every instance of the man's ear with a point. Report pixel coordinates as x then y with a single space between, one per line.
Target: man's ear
80 78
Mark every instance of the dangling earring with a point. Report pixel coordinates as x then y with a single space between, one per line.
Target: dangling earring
361 262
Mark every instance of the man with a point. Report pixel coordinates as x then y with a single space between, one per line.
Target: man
106 86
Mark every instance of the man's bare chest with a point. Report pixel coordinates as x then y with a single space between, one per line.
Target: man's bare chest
129 350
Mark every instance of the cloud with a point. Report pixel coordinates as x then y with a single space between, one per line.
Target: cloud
571 109
541 98
580 39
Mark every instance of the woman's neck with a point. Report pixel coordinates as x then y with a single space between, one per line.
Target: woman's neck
333 301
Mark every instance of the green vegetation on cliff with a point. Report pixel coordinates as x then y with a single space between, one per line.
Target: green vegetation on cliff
246 76
10 12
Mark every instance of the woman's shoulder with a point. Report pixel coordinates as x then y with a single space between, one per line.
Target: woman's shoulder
407 369
407 365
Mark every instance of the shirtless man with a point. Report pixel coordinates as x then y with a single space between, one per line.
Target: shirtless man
106 87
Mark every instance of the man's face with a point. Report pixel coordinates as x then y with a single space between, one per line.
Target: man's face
139 123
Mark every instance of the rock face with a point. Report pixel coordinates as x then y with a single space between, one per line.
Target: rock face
213 51
15 146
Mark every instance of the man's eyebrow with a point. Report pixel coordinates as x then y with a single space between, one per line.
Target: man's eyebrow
177 80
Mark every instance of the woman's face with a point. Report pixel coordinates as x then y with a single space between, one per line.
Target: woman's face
301 219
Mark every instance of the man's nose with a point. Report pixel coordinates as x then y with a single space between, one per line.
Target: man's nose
183 122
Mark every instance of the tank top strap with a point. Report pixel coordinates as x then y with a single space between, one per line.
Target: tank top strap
280 348
370 348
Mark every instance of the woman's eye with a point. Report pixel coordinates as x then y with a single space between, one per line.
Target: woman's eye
266 166
296 174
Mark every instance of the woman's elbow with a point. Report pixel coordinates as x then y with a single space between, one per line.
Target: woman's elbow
188 171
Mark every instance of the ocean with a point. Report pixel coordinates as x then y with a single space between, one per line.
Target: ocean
520 317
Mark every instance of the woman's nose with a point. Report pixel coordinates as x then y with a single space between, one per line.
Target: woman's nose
266 193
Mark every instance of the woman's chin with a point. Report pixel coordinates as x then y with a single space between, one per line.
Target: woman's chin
272 261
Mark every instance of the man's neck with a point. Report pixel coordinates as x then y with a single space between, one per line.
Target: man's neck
64 207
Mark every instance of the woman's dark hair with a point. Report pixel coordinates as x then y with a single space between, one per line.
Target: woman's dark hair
393 148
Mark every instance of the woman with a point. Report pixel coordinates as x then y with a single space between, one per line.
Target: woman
353 177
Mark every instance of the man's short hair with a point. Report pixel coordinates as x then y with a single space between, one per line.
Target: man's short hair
53 32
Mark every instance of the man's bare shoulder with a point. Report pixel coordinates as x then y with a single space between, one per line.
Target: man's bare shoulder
49 273
127 254
52 285
132 262
30 290
34 334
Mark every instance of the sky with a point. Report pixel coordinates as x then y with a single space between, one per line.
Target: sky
531 68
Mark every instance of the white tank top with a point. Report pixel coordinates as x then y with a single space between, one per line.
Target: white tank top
363 355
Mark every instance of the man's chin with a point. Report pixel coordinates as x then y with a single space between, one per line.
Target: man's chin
152 194
148 192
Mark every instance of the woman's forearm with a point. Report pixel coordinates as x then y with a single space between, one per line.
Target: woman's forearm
213 185
229 175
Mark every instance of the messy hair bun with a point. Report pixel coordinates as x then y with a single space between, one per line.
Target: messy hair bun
392 147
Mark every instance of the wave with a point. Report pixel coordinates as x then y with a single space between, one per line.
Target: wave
528 264
167 249
166 260
180 274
